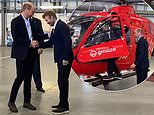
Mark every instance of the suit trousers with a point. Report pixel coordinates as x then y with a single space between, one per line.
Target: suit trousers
141 75
37 72
24 70
112 67
63 83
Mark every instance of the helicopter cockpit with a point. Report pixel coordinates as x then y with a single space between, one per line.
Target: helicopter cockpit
78 27
107 30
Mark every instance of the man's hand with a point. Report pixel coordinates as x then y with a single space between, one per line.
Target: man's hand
133 66
34 43
40 51
65 62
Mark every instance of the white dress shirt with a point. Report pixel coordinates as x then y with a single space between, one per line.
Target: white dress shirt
54 26
28 26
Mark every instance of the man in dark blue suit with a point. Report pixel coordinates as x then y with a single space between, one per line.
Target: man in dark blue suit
24 51
37 70
63 56
141 59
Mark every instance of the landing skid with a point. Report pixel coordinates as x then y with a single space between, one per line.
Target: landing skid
99 80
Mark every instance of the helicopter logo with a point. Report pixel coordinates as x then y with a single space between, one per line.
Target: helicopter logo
93 53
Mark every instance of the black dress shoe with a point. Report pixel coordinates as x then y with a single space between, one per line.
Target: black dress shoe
29 106
40 89
109 77
12 107
117 76
60 110
54 107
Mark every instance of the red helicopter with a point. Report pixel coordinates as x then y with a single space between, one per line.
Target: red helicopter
92 49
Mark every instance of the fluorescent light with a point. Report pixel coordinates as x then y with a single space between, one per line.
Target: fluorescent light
51 7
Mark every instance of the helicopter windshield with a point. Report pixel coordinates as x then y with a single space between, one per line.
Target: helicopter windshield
78 27
91 6
107 30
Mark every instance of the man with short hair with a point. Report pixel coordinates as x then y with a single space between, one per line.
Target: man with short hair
141 63
24 51
63 56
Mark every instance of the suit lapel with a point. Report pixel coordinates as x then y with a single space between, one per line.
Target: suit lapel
57 26
24 25
54 31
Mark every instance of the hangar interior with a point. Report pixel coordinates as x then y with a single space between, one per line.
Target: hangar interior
124 98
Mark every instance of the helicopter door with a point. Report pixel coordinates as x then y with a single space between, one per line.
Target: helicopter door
105 41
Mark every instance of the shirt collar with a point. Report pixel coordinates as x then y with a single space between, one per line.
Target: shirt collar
137 39
26 19
140 37
54 26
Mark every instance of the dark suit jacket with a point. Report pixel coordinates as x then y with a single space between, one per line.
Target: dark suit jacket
142 61
21 42
62 42
38 27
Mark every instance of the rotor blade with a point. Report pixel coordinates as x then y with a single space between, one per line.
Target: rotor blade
117 1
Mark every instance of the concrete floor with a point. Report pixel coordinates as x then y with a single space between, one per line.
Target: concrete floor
84 99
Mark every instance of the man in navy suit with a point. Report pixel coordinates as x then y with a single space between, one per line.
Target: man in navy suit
37 70
141 59
63 56
24 51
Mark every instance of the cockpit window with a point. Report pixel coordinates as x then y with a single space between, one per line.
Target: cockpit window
78 28
107 30
127 33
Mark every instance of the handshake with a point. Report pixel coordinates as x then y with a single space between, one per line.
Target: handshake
35 44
